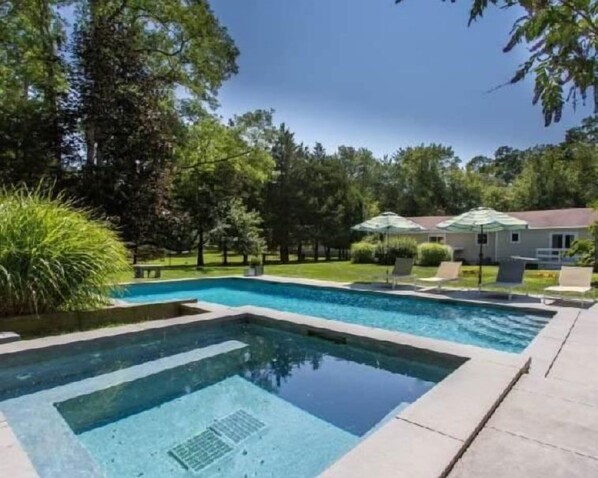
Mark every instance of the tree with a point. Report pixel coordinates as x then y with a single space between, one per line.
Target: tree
131 57
328 200
217 162
587 132
504 167
418 180
562 36
551 179
34 124
129 125
282 203
239 230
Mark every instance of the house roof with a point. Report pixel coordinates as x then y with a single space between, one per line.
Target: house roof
548 219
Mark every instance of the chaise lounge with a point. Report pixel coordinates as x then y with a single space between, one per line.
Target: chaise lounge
510 275
575 280
447 272
402 270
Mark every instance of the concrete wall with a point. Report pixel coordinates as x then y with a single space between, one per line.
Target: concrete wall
61 322
499 246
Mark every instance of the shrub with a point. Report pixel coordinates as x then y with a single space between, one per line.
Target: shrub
53 256
362 253
404 247
584 250
432 254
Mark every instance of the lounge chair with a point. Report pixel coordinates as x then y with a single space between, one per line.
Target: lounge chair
577 280
510 275
402 270
447 272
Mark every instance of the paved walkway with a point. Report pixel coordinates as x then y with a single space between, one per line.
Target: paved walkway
548 424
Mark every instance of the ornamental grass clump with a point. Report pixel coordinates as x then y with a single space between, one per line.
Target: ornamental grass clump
53 256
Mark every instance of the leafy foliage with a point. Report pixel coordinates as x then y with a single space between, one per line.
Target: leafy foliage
239 230
431 254
363 253
217 162
400 247
53 256
585 250
34 113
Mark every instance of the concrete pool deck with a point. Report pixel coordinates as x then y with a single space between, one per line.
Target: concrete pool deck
484 420
548 424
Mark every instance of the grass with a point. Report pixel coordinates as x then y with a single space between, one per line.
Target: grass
338 271
53 256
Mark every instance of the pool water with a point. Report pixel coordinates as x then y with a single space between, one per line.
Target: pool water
490 327
242 400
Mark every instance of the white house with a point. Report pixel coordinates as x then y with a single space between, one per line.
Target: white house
550 234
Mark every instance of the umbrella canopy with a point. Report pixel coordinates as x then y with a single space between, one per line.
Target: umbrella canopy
483 217
482 220
388 223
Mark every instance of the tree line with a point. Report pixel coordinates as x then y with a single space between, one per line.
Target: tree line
117 109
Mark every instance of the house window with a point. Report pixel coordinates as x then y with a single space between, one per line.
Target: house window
437 238
515 238
482 239
562 240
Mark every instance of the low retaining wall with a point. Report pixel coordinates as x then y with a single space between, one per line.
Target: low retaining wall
60 322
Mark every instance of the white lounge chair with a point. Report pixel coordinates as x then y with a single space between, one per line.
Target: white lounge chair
447 272
402 270
510 275
575 280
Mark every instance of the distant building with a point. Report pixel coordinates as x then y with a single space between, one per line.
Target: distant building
549 236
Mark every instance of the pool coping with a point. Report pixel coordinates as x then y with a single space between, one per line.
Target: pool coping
439 424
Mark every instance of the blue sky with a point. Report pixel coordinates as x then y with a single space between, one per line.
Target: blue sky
374 74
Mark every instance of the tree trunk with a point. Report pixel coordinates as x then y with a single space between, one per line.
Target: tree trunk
316 247
300 253
328 256
51 59
200 261
245 259
224 254
284 253
135 254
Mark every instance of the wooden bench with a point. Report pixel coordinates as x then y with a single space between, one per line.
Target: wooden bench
140 270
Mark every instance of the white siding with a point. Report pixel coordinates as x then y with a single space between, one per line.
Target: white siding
499 246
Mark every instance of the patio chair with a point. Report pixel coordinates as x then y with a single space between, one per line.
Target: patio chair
447 272
510 275
402 270
577 280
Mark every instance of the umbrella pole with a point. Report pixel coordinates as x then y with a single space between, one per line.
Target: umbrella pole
481 257
386 257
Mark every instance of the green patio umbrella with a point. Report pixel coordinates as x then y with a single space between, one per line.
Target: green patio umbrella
388 223
482 220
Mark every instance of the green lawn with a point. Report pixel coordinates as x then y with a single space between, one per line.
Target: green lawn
338 271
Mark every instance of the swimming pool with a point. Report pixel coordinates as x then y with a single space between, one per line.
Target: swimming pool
230 400
502 329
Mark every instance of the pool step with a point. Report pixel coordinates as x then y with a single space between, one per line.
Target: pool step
492 335
508 328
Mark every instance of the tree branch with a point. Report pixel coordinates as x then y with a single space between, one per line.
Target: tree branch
219 160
